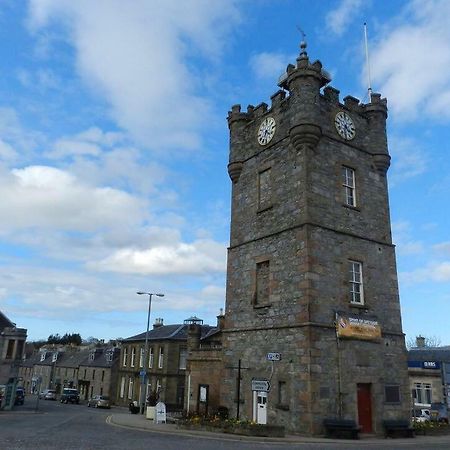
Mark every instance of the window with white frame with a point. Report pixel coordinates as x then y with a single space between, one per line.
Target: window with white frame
150 358
183 358
161 358
422 393
348 183
125 356
356 283
133 357
141 357
122 387
130 388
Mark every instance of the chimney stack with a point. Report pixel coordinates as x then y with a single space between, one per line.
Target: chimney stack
420 341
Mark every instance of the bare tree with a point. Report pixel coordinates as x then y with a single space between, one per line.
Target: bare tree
423 341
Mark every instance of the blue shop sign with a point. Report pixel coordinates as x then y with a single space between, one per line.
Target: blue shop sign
425 364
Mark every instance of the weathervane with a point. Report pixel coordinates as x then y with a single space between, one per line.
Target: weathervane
302 43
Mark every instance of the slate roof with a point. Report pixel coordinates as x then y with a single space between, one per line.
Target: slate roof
430 354
73 358
5 322
100 359
177 332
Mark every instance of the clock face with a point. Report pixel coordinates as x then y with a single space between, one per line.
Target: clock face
344 125
266 130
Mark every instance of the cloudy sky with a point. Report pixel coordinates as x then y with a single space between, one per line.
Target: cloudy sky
114 146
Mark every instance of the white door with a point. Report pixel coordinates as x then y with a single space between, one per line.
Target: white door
261 407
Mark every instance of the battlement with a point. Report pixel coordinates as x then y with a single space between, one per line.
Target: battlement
376 105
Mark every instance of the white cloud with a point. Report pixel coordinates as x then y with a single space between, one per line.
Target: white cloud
65 147
198 258
137 54
7 153
339 19
46 197
14 136
438 272
408 159
269 65
405 245
410 62
443 247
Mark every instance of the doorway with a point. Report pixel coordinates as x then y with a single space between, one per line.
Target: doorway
365 407
261 407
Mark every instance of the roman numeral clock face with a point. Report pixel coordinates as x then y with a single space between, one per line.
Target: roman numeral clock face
266 130
344 126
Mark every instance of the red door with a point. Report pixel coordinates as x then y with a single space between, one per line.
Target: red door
364 408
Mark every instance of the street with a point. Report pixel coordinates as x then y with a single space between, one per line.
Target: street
60 426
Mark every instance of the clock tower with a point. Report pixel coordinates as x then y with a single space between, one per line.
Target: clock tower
312 323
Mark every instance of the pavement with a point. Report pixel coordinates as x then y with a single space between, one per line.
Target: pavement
139 422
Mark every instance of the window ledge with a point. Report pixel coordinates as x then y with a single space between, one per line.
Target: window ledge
358 305
282 407
263 208
354 208
265 305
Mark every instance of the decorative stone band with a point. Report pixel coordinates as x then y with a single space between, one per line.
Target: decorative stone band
381 162
234 170
305 135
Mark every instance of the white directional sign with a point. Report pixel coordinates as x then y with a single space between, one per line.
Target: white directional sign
274 356
261 385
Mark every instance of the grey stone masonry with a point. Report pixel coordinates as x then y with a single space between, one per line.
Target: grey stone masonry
307 234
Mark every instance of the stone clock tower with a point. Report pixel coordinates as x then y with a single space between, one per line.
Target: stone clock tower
312 324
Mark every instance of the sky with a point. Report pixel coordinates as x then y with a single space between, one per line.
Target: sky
114 148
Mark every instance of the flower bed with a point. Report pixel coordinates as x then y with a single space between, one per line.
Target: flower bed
232 426
431 428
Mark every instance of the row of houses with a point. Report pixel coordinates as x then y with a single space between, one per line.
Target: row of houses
183 367
118 370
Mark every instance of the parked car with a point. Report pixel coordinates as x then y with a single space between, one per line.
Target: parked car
421 415
70 395
48 394
20 396
99 401
439 412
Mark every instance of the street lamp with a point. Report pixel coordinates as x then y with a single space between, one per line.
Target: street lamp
144 369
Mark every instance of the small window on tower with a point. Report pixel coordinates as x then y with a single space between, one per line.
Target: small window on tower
392 393
348 183
356 283
264 189
262 290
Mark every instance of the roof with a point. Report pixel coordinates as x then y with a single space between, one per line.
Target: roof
5 322
74 358
177 332
430 354
99 357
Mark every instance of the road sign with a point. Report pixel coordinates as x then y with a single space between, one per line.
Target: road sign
261 385
274 356
142 373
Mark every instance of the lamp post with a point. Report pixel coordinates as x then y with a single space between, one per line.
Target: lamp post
144 368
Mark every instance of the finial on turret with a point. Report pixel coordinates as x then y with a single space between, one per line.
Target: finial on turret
303 45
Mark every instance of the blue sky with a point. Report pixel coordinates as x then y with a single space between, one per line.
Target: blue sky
114 146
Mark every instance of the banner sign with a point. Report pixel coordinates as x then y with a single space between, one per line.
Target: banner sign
357 327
